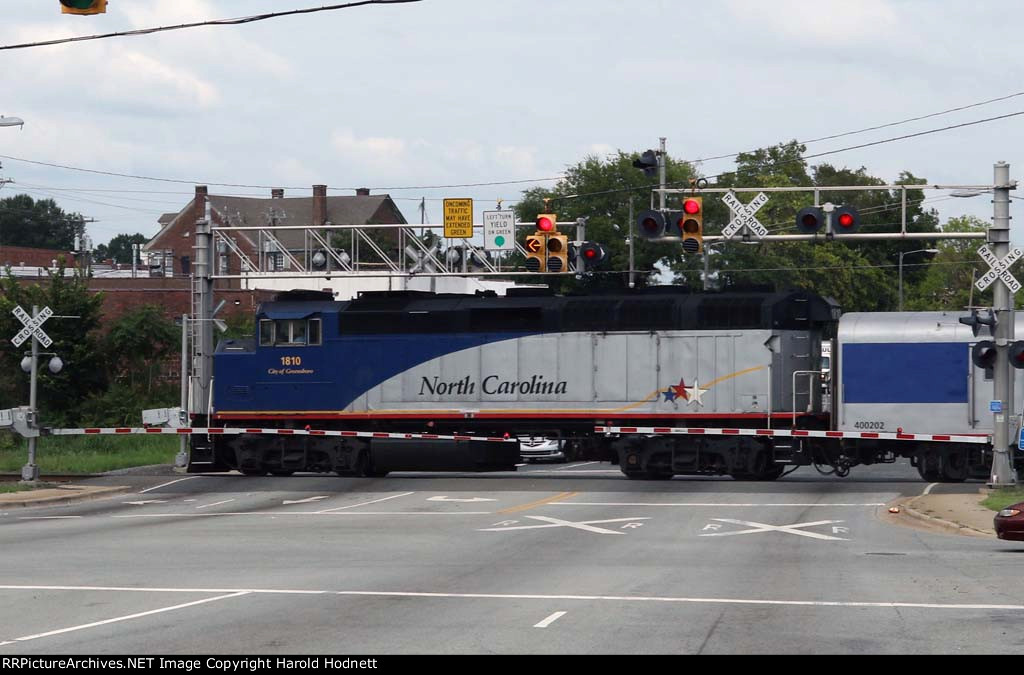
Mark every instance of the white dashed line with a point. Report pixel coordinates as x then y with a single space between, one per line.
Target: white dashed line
550 620
352 506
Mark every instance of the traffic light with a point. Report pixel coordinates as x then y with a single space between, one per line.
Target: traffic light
558 253
691 226
983 354
651 224
1016 354
592 255
547 223
809 220
83 6
845 220
536 250
648 162
976 322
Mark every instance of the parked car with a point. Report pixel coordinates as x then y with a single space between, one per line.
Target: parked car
539 448
1009 523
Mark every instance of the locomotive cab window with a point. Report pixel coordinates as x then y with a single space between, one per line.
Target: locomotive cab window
289 332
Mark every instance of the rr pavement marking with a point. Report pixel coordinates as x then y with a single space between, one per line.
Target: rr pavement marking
788 529
587 525
539 502
550 620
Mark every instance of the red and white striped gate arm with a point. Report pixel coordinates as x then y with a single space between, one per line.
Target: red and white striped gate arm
227 431
793 433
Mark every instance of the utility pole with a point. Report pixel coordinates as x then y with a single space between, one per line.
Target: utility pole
999 239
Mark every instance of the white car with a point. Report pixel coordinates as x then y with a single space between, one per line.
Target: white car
539 448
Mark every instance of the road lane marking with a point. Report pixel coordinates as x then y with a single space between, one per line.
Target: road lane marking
275 514
587 525
47 517
126 618
177 480
576 466
723 504
446 498
550 620
204 506
352 506
540 502
307 500
928 489
536 596
788 529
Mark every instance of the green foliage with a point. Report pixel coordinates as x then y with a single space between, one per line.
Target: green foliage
120 247
602 190
38 224
75 341
91 454
948 282
137 345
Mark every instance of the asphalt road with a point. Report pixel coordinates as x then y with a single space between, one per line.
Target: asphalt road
556 559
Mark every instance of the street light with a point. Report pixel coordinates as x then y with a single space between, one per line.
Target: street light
918 250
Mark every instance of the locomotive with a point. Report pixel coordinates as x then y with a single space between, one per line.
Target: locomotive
533 363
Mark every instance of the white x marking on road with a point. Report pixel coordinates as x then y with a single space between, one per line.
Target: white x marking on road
789 529
555 522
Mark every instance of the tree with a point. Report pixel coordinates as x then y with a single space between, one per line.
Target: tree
74 341
948 282
120 247
861 276
601 190
38 224
138 344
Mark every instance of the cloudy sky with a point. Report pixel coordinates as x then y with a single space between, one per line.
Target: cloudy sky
452 92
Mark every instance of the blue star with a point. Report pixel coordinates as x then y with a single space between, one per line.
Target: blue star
670 394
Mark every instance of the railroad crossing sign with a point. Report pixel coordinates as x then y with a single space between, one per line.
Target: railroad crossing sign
744 215
1000 268
33 326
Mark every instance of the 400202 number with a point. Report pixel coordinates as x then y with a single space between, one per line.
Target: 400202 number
869 425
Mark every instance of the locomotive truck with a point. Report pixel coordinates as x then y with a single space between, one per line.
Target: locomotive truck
738 373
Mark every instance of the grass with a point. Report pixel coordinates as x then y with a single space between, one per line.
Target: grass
87 454
15 487
1000 499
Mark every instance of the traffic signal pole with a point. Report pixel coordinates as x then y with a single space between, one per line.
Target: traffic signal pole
999 239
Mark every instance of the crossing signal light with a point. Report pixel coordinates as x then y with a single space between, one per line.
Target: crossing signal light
557 253
83 6
983 354
1016 354
845 220
547 223
648 162
809 220
691 224
535 253
651 224
592 254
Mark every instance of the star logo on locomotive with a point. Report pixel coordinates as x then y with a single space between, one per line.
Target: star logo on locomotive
691 394
675 391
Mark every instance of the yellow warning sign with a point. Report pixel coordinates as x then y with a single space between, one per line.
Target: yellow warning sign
458 218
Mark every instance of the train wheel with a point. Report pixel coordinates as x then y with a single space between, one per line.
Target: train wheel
954 467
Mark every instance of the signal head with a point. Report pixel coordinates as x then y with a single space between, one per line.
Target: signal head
1016 354
983 354
547 223
650 224
845 220
809 220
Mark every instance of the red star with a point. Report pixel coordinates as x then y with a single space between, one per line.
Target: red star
680 391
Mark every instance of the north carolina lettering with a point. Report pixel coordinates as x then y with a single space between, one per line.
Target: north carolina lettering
491 385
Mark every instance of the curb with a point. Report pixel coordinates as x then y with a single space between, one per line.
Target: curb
907 507
74 493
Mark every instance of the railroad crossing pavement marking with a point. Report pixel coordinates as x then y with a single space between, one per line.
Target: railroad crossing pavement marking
587 525
788 529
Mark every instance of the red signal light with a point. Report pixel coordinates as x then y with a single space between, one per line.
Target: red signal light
546 222
589 253
691 206
845 220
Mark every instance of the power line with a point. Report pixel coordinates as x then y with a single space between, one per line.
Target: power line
215 22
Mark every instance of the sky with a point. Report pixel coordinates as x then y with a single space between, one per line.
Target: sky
455 92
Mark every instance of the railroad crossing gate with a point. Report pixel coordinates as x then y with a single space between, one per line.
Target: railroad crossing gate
32 326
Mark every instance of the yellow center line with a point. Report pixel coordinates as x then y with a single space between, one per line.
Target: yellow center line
540 502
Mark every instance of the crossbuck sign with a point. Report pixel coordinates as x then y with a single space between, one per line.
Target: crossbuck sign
33 326
744 215
1000 268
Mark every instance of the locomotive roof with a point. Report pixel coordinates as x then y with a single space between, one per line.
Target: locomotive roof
652 309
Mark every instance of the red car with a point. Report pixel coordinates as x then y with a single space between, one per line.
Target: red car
1009 522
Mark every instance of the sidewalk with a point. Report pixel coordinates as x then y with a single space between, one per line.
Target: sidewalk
955 513
57 494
